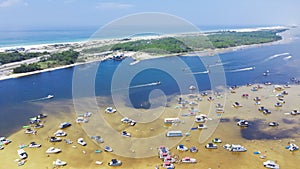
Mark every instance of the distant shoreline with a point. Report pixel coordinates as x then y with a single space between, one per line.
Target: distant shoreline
144 56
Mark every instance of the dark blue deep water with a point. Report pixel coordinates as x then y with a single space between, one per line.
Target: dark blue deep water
241 67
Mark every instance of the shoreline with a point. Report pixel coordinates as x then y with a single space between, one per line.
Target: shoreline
146 56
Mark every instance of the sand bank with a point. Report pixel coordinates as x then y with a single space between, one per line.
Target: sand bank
270 141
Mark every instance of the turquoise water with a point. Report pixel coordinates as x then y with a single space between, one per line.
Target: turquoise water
33 36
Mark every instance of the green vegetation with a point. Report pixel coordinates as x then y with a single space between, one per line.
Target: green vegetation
232 39
9 57
27 68
169 45
223 39
54 60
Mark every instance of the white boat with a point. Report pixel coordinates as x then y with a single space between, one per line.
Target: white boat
181 147
273 124
200 119
64 125
60 133
50 96
235 148
81 142
108 149
217 140
168 165
81 120
22 154
110 110
211 146
55 139
202 126
30 131
193 149
58 162
243 123
115 162
169 159
125 134
295 112
53 150
135 62
271 164
4 140
293 147
188 160
236 104
34 145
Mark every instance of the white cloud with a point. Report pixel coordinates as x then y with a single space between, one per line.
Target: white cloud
8 3
113 5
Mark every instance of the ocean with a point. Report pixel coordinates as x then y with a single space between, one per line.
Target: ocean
240 67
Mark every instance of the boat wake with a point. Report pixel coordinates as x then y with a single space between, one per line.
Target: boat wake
242 69
287 58
145 85
41 99
196 73
275 56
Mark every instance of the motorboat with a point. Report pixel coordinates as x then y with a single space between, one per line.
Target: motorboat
293 147
295 112
285 92
236 104
266 111
257 99
169 159
270 164
58 162
219 105
4 140
81 120
50 96
34 145
55 139
193 149
53 150
125 134
273 124
168 165
235 148
128 121
210 98
262 108
243 123
30 131
22 154
60 133
115 162
200 119
87 114
278 104
38 125
211 146
217 140
81 142
110 110
202 126
192 87
108 149
181 147
188 160
98 139
65 125
41 116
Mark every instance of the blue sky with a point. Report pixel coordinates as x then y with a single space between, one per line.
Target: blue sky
35 13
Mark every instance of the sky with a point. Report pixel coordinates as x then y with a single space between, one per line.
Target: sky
17 14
